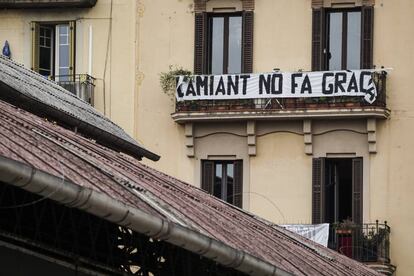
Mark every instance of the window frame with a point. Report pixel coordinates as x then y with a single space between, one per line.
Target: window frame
209 175
319 189
35 28
344 46
201 43
226 34
319 51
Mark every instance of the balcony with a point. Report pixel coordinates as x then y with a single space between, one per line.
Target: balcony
368 243
81 85
285 108
36 4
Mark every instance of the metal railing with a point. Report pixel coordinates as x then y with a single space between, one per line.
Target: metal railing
368 242
288 103
82 85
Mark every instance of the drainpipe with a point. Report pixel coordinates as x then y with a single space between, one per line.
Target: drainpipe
99 204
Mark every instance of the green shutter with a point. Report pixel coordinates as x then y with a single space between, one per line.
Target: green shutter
72 45
34 26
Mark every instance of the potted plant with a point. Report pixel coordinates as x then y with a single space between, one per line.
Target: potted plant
168 79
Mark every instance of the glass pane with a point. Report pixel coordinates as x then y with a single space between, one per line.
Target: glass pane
63 34
354 41
45 57
218 180
64 72
63 29
230 176
217 45
235 44
64 56
335 41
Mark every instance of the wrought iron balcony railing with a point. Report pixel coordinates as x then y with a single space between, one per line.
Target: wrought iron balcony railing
82 85
368 242
280 104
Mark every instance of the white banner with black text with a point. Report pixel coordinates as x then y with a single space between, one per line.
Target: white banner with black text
356 83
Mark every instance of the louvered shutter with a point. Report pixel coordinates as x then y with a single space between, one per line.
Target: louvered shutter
357 170
318 186
318 29
207 181
72 46
247 56
367 37
200 43
35 46
238 183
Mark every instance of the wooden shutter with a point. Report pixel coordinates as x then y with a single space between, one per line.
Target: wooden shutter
367 37
318 37
200 43
247 49
207 181
238 183
35 46
72 46
318 186
357 173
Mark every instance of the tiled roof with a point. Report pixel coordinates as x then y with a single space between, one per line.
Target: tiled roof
48 147
45 97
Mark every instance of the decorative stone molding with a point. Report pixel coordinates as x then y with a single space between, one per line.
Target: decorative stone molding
201 5
307 136
372 135
251 137
189 139
248 5
341 3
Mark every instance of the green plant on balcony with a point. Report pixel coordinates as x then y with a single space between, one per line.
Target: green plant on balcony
168 79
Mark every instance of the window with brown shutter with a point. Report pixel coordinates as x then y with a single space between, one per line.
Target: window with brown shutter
223 43
224 179
337 190
342 38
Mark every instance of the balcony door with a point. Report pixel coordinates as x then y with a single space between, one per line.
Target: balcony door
337 190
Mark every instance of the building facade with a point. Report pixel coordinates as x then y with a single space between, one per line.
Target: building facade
317 160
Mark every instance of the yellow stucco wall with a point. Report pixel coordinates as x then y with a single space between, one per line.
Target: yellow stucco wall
150 35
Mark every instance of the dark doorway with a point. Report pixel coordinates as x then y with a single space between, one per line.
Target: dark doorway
338 190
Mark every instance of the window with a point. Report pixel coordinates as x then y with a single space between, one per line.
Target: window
223 43
342 39
53 50
337 190
223 179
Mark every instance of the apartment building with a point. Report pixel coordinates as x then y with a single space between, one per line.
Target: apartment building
341 160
